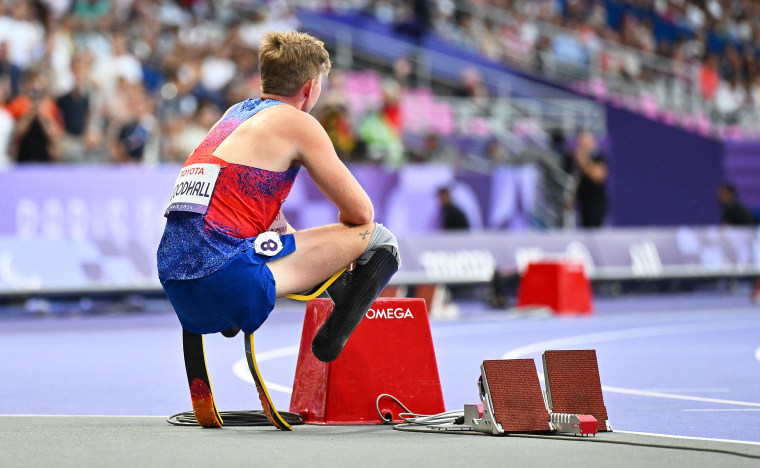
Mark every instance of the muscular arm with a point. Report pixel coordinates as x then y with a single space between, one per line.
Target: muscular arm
330 174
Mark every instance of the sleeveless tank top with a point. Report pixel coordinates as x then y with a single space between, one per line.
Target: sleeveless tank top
218 208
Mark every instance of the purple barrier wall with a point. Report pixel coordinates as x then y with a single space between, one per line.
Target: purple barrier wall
75 228
661 175
98 227
742 162
620 253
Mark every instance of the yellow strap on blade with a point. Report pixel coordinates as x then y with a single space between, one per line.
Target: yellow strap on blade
325 285
266 401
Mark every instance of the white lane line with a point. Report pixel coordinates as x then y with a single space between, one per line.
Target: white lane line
275 353
644 332
475 329
730 441
617 335
241 371
240 368
688 390
719 410
673 396
757 354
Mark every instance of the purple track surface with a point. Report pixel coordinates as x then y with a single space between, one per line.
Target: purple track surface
685 365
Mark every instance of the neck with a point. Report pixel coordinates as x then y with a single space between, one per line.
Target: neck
291 100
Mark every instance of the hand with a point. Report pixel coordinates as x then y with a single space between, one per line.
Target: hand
582 158
36 107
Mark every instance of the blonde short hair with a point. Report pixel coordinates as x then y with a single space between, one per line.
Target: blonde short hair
288 60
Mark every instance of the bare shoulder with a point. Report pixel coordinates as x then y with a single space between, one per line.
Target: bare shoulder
302 130
295 122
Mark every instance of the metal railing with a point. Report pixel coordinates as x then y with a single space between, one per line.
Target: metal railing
638 79
552 107
642 81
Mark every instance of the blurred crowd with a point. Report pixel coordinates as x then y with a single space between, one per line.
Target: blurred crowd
124 80
624 39
143 80
98 81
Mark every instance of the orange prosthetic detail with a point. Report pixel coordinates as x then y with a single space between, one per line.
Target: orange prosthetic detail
203 404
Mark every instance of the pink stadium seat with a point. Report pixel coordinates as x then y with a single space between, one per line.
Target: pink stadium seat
582 87
734 131
443 118
364 91
597 87
703 125
479 126
649 106
616 100
523 128
670 117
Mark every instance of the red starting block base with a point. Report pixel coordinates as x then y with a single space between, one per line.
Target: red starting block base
391 351
562 286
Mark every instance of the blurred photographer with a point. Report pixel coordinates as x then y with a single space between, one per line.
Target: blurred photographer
591 171
39 126
82 134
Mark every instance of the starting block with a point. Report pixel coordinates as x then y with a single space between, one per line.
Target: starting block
391 351
562 286
511 396
573 385
513 401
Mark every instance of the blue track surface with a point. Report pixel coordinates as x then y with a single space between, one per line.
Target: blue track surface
679 365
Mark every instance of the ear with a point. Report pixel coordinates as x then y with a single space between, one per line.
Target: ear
307 89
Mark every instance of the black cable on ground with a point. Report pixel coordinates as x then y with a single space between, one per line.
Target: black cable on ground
235 418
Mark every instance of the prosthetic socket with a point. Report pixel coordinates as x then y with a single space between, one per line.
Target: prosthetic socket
354 292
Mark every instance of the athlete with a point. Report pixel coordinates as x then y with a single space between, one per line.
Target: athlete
227 252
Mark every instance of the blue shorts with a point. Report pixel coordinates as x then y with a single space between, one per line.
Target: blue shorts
242 292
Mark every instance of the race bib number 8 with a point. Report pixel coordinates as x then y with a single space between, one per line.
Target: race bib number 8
268 243
193 188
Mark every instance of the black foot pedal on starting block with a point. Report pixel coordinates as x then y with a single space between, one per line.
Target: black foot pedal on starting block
201 395
573 385
353 293
266 402
512 399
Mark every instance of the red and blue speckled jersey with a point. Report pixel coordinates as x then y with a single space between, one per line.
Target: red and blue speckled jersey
244 202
